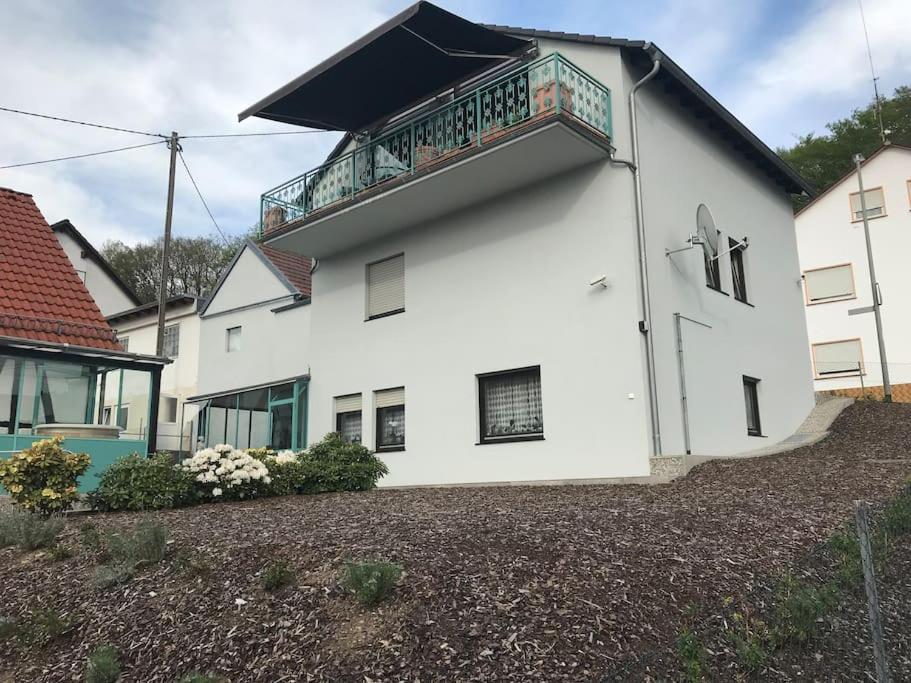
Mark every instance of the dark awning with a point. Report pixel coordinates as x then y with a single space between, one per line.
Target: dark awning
415 54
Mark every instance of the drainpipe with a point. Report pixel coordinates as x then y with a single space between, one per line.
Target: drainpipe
644 295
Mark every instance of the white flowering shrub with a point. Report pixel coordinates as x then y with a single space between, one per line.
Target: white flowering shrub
223 471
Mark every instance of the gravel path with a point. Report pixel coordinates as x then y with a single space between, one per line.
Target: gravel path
515 583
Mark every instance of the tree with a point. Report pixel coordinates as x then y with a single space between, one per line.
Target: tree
194 264
823 159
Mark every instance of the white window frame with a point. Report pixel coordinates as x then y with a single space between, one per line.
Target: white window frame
345 405
238 329
175 328
827 300
855 215
368 314
842 373
384 399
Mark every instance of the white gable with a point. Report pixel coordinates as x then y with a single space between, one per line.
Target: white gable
250 281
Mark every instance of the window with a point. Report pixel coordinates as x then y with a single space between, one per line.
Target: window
833 283
348 417
106 415
124 343
386 287
171 341
167 409
751 399
390 419
123 416
510 405
232 339
712 270
738 272
838 358
876 204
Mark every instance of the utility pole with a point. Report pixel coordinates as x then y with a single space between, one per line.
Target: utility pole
174 146
874 285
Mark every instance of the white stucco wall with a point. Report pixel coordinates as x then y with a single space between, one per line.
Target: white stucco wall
107 294
827 236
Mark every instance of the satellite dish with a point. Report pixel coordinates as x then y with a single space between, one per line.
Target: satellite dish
705 228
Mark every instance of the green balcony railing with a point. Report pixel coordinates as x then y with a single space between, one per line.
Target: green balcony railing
548 86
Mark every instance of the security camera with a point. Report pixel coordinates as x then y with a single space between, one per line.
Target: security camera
600 280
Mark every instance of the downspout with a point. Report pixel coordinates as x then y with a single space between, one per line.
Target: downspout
644 295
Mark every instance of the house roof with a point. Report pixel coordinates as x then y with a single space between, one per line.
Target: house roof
151 308
882 148
41 296
692 95
292 270
90 252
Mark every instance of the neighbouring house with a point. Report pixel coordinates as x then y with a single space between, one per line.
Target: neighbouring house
836 277
254 359
110 293
137 332
556 254
59 358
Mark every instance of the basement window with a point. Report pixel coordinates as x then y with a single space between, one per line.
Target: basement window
751 400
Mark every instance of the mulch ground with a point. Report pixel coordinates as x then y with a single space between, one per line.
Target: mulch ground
509 583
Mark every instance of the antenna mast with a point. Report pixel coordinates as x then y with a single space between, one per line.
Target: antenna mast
879 108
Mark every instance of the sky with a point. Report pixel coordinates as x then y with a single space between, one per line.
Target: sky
783 67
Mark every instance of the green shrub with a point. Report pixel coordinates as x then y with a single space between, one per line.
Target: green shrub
334 464
59 553
44 625
277 575
751 639
371 582
43 477
28 530
110 575
103 666
140 483
896 519
691 654
799 607
288 478
146 544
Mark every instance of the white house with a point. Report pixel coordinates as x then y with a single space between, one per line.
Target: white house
254 357
111 294
837 288
137 331
491 257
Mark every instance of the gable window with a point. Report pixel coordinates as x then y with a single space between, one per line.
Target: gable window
348 417
738 271
167 409
836 358
510 405
386 287
833 283
171 346
232 339
751 400
876 204
390 419
124 343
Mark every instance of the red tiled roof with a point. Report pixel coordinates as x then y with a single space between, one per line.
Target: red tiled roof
293 266
41 295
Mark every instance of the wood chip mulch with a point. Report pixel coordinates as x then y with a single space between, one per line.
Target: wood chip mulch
571 583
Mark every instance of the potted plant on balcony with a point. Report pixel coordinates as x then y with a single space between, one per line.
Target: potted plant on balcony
273 217
545 98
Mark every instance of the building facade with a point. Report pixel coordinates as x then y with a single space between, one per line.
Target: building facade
836 278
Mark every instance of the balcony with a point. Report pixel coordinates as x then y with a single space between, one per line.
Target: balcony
536 121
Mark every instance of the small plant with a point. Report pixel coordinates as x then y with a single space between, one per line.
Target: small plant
90 539
147 544
277 575
371 582
197 677
9 629
691 653
799 607
140 483
110 575
43 477
44 625
59 553
28 530
103 666
751 640
194 565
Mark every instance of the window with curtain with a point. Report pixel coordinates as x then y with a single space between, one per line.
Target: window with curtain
751 401
390 419
348 417
875 201
829 284
738 270
386 287
510 405
171 345
838 358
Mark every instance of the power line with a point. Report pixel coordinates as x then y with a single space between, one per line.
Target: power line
253 135
83 156
84 123
879 108
201 198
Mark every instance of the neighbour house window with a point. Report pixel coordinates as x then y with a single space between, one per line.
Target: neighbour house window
510 405
876 204
738 271
123 416
106 415
171 346
838 358
390 419
751 399
124 343
232 339
712 269
348 417
386 287
833 283
167 409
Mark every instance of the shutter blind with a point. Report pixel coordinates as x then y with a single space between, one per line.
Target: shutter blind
875 202
386 286
830 283
390 397
836 357
347 404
